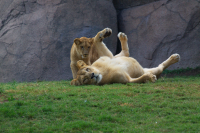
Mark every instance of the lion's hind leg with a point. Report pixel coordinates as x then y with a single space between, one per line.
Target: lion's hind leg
158 70
171 60
124 45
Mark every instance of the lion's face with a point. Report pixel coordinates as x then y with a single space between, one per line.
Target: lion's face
84 45
87 75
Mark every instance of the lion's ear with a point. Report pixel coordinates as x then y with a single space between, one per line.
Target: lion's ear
77 41
81 63
75 82
91 41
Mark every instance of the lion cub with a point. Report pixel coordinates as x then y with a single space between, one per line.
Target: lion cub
85 49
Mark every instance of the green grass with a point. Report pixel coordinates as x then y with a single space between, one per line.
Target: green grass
169 105
182 70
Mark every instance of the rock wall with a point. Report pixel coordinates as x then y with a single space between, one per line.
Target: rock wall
36 35
124 4
161 28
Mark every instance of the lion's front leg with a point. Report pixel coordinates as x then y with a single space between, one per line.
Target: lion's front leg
121 77
99 47
74 69
144 78
102 34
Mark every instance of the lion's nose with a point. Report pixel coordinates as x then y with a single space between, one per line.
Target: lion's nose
92 75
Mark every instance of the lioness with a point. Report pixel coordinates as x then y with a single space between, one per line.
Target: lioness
119 68
85 49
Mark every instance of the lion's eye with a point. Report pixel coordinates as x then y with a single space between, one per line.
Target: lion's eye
87 69
88 47
81 46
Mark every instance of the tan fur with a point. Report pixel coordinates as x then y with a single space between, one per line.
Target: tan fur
86 49
119 68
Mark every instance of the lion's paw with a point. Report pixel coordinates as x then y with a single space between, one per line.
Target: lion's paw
150 77
153 78
105 33
175 58
122 36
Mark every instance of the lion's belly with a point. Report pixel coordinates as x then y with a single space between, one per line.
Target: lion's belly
123 64
120 64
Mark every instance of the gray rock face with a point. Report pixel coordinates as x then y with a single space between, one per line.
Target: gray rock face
124 4
36 35
159 29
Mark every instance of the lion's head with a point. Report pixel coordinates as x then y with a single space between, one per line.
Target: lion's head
87 75
84 45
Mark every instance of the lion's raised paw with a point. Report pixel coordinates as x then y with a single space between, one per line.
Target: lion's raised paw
122 36
105 33
175 58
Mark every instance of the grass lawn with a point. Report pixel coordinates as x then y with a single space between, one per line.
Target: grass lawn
169 105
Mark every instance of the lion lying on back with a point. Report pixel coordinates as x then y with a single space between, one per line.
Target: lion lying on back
85 49
118 69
